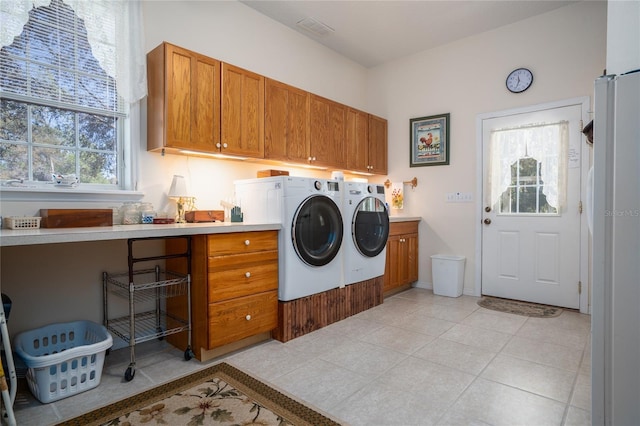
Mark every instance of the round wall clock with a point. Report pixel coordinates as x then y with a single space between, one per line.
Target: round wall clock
519 80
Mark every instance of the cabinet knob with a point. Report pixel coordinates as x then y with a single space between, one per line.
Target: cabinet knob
224 145
248 317
247 274
247 242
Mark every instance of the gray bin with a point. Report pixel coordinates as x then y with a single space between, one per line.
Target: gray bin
448 275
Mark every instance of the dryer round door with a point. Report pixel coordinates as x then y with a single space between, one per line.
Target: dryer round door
370 226
316 231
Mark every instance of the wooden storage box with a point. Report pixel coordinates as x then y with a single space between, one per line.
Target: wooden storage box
272 172
204 216
75 218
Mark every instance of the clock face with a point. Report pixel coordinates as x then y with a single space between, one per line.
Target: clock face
519 80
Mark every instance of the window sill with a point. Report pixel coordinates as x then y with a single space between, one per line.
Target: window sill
67 194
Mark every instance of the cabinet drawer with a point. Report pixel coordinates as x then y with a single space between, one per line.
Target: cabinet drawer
242 242
236 319
397 228
242 274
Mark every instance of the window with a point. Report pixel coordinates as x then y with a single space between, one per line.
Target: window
65 88
528 168
526 192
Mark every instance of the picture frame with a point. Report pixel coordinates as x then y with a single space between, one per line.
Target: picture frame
429 139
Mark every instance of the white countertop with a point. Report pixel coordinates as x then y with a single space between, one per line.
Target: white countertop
404 218
24 237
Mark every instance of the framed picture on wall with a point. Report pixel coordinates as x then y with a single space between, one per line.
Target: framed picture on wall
429 140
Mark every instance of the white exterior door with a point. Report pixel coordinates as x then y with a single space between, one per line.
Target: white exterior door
531 206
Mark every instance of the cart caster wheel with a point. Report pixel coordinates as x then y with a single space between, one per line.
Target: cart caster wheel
129 374
188 354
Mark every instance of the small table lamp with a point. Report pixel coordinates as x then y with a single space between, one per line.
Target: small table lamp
178 191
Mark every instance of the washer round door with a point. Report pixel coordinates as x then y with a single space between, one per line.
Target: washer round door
316 231
370 226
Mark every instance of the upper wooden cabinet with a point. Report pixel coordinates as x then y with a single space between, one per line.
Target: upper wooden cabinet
366 142
183 105
327 132
377 145
198 104
286 125
242 112
357 139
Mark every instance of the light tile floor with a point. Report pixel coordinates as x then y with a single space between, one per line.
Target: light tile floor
417 359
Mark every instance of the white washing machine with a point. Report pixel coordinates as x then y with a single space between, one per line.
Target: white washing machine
366 228
310 242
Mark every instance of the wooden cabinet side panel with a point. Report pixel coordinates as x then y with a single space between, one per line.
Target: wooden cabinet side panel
378 147
177 305
412 258
156 98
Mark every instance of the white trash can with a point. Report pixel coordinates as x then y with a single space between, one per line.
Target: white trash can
448 275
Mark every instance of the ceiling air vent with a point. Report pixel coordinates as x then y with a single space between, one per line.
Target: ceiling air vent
315 27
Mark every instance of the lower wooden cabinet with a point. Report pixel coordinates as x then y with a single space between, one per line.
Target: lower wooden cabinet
402 255
235 319
234 289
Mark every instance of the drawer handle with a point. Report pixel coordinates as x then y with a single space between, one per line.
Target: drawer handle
247 274
247 242
248 317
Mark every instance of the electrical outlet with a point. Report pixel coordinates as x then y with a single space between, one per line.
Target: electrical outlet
459 197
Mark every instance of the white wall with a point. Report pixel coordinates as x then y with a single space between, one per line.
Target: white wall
623 36
565 49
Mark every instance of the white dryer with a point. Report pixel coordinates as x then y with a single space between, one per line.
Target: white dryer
310 242
366 229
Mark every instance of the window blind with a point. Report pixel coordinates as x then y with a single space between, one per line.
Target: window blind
51 63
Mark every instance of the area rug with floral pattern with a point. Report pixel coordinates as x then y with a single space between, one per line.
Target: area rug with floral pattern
220 395
519 308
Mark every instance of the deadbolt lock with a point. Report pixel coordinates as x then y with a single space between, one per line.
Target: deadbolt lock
487 221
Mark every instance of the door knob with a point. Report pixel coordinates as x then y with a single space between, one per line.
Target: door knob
487 221
487 209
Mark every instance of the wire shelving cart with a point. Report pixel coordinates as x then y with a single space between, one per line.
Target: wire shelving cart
144 288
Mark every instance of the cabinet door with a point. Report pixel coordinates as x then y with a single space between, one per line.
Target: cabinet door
327 132
206 123
412 258
357 140
180 86
286 122
377 145
242 112
183 106
392 269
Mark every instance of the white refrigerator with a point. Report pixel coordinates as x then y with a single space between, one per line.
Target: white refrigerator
615 298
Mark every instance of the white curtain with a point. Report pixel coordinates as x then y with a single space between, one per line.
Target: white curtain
115 32
546 143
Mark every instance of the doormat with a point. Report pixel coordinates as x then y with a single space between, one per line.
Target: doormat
517 307
218 395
